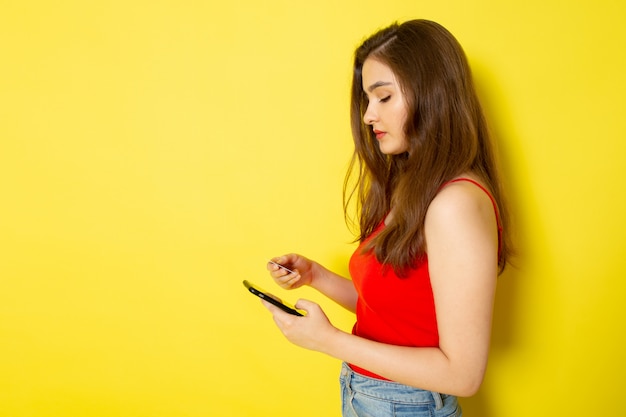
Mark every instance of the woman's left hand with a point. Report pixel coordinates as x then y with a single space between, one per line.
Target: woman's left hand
312 331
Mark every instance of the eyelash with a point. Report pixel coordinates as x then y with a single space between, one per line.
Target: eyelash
381 100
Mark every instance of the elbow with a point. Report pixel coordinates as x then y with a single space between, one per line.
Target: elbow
468 391
468 375
468 386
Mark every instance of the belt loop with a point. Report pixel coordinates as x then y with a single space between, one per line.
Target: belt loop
438 400
347 374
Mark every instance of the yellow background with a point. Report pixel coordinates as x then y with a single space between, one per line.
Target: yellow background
153 154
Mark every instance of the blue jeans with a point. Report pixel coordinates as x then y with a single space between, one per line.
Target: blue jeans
362 396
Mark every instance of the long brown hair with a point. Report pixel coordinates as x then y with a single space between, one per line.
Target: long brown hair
446 131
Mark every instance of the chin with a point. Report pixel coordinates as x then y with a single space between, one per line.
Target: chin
392 148
392 151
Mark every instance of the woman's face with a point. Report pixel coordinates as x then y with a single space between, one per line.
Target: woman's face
386 111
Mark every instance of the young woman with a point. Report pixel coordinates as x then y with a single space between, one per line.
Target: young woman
431 218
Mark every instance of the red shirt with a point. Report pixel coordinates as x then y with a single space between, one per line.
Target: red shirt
393 310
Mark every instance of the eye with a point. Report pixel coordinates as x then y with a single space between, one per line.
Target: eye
384 99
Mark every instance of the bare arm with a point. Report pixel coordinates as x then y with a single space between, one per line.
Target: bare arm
461 234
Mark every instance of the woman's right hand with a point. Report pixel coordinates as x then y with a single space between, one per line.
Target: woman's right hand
302 271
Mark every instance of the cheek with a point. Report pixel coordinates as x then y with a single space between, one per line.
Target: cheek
401 119
400 113
401 123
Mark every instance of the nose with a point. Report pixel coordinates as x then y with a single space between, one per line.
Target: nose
369 117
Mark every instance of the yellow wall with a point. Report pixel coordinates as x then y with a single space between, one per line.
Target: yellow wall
153 154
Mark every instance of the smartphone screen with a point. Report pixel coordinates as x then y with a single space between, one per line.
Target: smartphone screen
254 289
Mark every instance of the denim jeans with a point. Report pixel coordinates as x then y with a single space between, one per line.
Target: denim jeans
363 396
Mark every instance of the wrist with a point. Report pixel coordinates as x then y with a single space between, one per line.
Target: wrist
333 343
317 272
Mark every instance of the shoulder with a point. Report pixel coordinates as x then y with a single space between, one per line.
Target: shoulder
461 197
461 210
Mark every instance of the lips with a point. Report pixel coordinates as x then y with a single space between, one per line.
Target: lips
379 134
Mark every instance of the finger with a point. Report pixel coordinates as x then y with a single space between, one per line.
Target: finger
272 266
306 305
278 315
288 281
271 307
287 267
281 260
277 270
283 276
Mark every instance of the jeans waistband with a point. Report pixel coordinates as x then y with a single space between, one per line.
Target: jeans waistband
389 390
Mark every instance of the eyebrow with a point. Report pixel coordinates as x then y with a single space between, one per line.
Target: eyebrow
378 84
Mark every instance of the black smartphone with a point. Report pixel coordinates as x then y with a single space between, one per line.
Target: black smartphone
254 289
